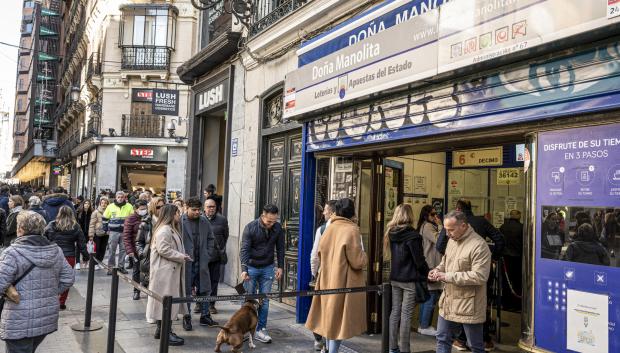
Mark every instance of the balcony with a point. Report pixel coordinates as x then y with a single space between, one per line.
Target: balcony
153 126
268 12
145 58
65 148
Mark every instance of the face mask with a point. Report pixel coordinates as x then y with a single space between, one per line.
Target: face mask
142 212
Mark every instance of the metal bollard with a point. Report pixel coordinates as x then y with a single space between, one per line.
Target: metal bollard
113 307
88 326
386 301
166 324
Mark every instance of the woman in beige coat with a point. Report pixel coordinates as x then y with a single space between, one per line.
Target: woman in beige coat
167 268
342 258
96 232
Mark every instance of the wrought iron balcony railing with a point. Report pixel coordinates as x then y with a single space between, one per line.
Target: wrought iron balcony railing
268 12
143 126
145 58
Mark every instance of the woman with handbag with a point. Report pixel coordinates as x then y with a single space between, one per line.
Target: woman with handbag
65 232
429 226
408 273
96 232
37 268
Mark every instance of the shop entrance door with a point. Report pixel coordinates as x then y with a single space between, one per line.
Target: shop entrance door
282 188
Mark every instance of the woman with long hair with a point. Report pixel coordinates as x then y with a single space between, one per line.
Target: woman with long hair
96 231
16 204
342 258
429 226
403 245
83 215
67 234
167 268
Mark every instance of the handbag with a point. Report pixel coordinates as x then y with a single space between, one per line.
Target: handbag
11 293
421 292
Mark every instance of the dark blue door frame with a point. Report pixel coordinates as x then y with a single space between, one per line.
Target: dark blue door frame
306 226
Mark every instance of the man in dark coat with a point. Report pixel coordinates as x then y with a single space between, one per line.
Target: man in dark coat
34 204
54 201
131 228
199 243
209 193
219 225
512 230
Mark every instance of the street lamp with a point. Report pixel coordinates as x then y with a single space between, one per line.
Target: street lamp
171 128
75 94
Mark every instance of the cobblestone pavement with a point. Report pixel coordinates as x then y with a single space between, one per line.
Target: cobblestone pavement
134 334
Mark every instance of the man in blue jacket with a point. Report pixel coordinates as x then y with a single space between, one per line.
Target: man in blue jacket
5 192
260 238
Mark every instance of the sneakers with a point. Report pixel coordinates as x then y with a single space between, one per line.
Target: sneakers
208 321
97 267
63 307
262 336
197 308
429 331
78 267
489 346
461 347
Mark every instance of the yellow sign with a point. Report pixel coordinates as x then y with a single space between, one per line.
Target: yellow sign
508 176
487 157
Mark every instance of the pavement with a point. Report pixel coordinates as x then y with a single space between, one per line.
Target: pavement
135 335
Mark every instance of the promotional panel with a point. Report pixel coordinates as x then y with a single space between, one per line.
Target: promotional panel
577 252
490 29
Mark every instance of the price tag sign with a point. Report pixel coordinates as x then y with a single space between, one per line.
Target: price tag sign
613 8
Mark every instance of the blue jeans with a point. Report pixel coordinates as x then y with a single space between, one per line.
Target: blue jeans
261 280
195 268
446 330
428 308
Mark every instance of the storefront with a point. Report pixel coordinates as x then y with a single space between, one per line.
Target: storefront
142 167
429 119
210 134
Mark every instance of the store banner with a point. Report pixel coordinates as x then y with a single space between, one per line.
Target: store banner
165 102
128 153
376 64
475 31
437 39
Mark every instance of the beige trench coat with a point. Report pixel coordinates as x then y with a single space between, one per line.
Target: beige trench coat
467 264
167 271
342 262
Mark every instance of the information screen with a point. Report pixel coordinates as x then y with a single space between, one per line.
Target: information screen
577 250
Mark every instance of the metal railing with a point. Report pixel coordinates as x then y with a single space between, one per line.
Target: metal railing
145 58
268 12
64 150
143 125
93 128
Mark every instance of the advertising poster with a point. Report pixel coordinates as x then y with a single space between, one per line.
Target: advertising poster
576 302
419 185
586 323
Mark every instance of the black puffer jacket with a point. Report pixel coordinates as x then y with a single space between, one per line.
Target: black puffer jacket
67 240
587 252
258 244
408 262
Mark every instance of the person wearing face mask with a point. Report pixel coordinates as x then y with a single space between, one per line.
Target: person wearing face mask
131 229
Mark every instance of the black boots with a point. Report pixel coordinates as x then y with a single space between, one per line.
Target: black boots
187 322
173 339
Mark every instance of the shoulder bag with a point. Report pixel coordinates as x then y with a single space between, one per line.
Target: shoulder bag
11 293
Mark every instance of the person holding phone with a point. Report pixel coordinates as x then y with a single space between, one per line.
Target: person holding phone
167 269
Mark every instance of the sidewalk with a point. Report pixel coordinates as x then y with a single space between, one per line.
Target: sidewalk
135 335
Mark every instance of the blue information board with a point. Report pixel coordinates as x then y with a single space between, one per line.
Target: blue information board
577 274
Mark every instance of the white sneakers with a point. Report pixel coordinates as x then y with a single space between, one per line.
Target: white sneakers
262 336
77 266
97 267
429 331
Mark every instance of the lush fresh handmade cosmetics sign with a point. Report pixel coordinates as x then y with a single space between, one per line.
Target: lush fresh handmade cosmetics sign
388 59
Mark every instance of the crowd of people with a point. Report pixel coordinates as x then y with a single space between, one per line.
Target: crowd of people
177 248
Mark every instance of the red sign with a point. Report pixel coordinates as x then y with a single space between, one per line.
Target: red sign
141 152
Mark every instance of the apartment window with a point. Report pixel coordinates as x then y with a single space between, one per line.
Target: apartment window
19 105
28 4
214 22
147 35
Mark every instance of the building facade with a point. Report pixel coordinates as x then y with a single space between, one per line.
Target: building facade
34 144
120 61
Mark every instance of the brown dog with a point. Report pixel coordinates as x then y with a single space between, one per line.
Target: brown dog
242 322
